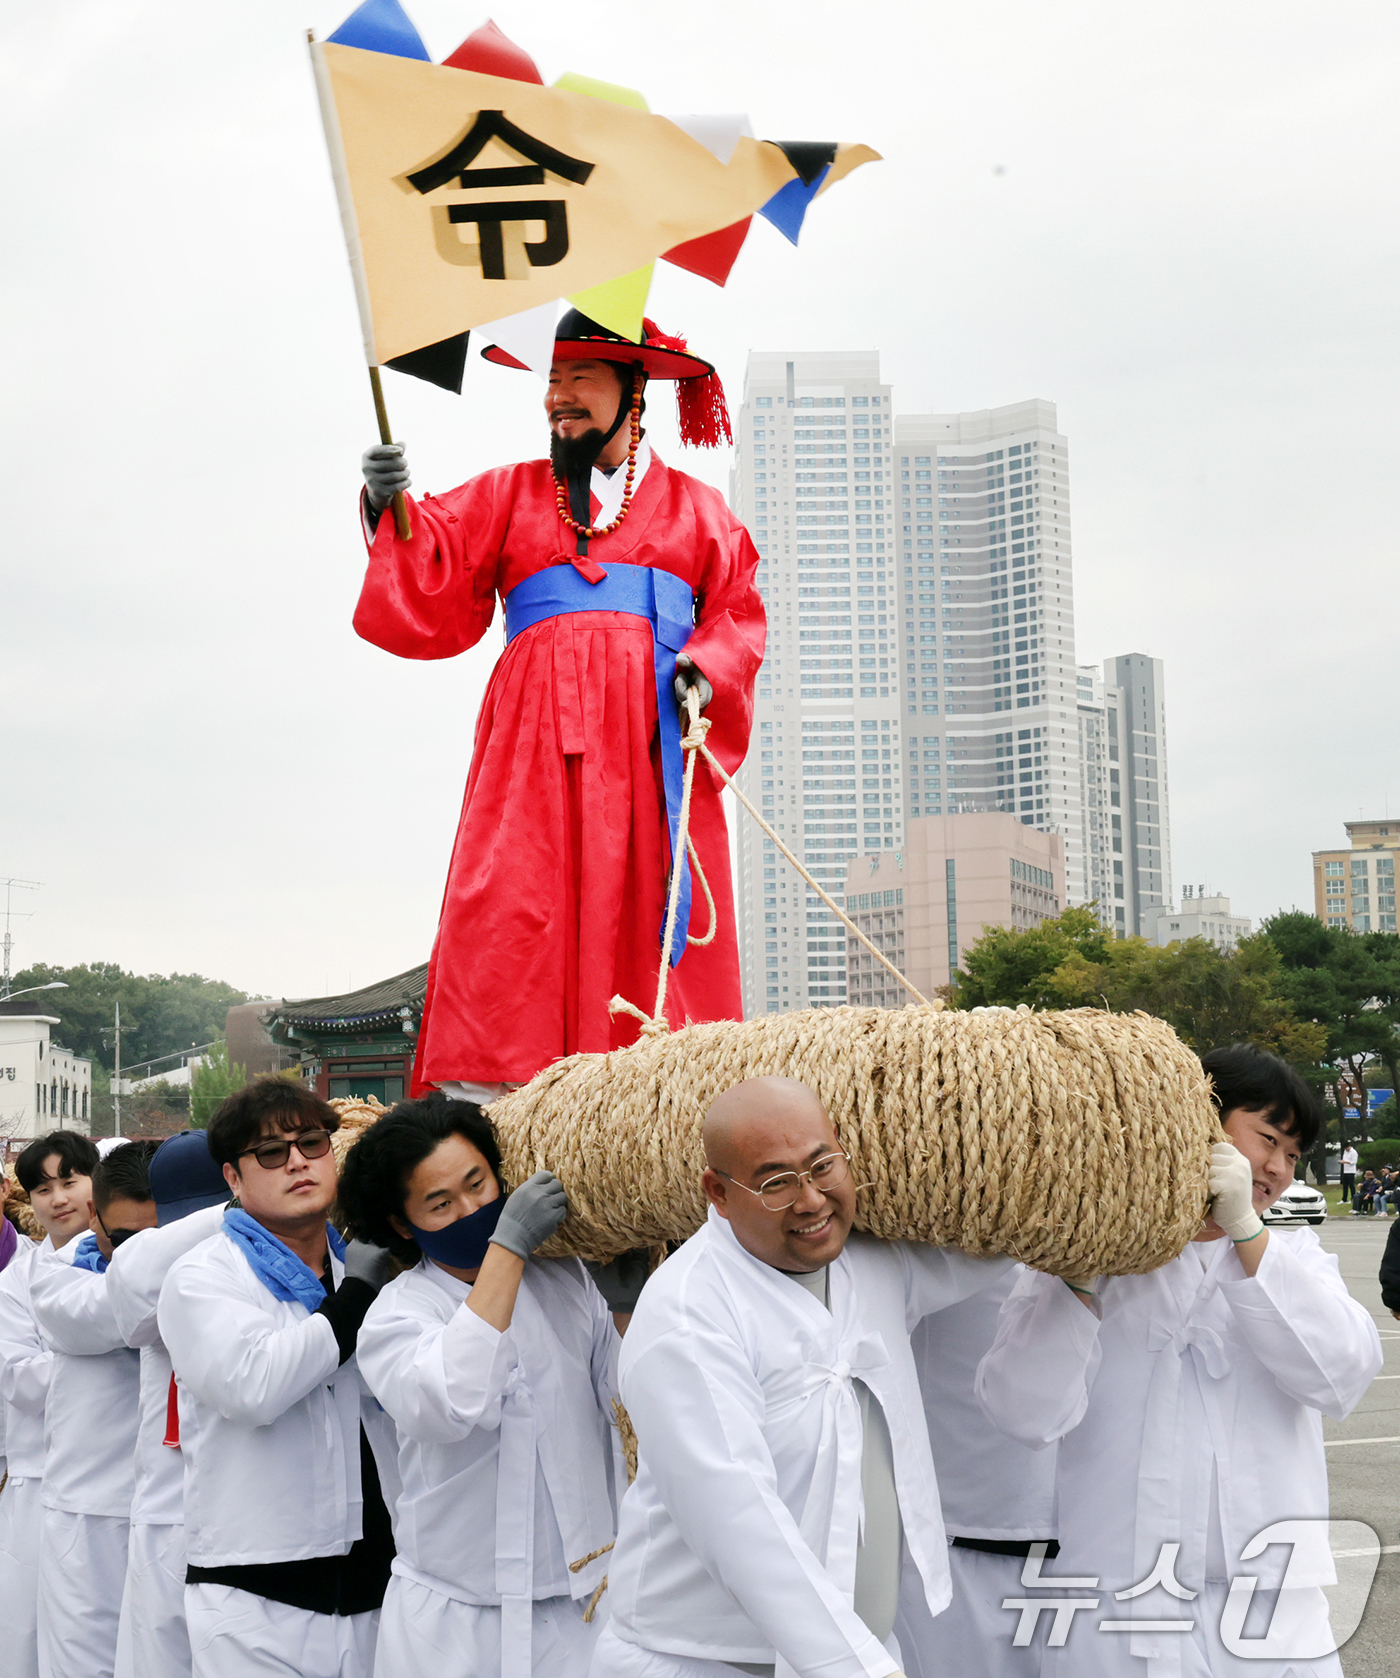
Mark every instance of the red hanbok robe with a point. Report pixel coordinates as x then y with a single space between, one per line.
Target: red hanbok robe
556 891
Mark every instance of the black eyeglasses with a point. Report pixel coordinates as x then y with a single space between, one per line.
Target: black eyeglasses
272 1156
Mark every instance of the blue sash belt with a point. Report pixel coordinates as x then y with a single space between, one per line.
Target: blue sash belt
669 607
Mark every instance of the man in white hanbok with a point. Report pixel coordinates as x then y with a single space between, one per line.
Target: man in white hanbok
784 1476
286 1529
1188 1407
998 1499
498 1371
189 1193
56 1170
90 1427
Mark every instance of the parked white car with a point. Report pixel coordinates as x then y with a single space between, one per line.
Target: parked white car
1299 1203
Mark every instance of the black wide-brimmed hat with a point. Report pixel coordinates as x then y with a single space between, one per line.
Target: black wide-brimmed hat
576 338
700 404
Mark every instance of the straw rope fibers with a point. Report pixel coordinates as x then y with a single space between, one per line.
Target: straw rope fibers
1077 1142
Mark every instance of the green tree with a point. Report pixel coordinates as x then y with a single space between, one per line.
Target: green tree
1211 997
214 1079
166 1012
1006 968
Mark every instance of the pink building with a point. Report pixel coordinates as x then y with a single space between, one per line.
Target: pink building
924 905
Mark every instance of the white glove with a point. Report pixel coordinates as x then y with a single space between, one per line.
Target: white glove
385 467
1232 1193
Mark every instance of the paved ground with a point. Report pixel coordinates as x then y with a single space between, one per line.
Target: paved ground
1366 1477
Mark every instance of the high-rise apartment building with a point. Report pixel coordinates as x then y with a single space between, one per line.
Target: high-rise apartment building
813 480
918 579
1356 888
1124 848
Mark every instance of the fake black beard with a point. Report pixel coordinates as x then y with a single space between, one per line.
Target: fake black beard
573 457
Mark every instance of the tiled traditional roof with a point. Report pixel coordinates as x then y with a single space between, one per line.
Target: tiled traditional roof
358 1010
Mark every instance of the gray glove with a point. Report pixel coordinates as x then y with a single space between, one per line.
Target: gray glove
622 1279
688 676
532 1214
386 473
367 1263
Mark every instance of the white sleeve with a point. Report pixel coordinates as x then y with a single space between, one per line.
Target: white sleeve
698 1410
1298 1319
1034 1382
439 1381
25 1361
73 1310
139 1268
228 1352
937 1277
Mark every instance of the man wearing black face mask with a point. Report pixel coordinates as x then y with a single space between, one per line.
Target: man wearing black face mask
91 1425
498 1370
625 585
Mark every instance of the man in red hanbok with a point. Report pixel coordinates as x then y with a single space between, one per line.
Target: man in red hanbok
608 563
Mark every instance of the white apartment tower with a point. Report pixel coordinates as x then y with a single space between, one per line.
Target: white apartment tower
813 480
988 634
921 662
1124 833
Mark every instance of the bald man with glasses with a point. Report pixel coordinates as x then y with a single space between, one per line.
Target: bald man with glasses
288 1536
785 1485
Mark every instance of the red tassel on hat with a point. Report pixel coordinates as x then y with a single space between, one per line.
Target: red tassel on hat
700 404
704 414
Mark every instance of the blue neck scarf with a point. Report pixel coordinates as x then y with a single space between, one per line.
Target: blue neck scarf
89 1255
276 1266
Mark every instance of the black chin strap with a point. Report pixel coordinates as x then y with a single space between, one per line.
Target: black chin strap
580 475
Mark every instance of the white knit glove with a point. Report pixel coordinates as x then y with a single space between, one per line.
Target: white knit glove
1232 1193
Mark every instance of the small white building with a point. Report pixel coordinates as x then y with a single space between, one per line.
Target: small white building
1200 916
43 1086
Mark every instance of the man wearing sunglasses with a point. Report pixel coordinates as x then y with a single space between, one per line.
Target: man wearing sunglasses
784 1474
90 1427
288 1537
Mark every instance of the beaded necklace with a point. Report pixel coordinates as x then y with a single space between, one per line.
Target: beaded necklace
561 492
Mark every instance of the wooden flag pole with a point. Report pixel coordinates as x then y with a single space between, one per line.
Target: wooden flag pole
381 413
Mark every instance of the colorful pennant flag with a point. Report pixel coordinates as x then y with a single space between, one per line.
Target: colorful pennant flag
470 192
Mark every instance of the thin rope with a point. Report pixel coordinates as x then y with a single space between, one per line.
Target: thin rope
693 745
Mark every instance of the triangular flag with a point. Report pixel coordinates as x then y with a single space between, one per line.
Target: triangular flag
787 208
808 157
441 364
381 26
528 336
719 135
713 254
618 304
490 53
572 82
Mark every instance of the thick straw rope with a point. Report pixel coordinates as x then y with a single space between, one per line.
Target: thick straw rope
1077 1142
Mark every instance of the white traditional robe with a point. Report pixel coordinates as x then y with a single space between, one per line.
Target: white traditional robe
153 1641
738 1540
275 1474
26 1363
990 1487
90 1427
1188 1406
507 1461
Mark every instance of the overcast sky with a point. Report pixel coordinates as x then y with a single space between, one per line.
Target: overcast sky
1178 223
